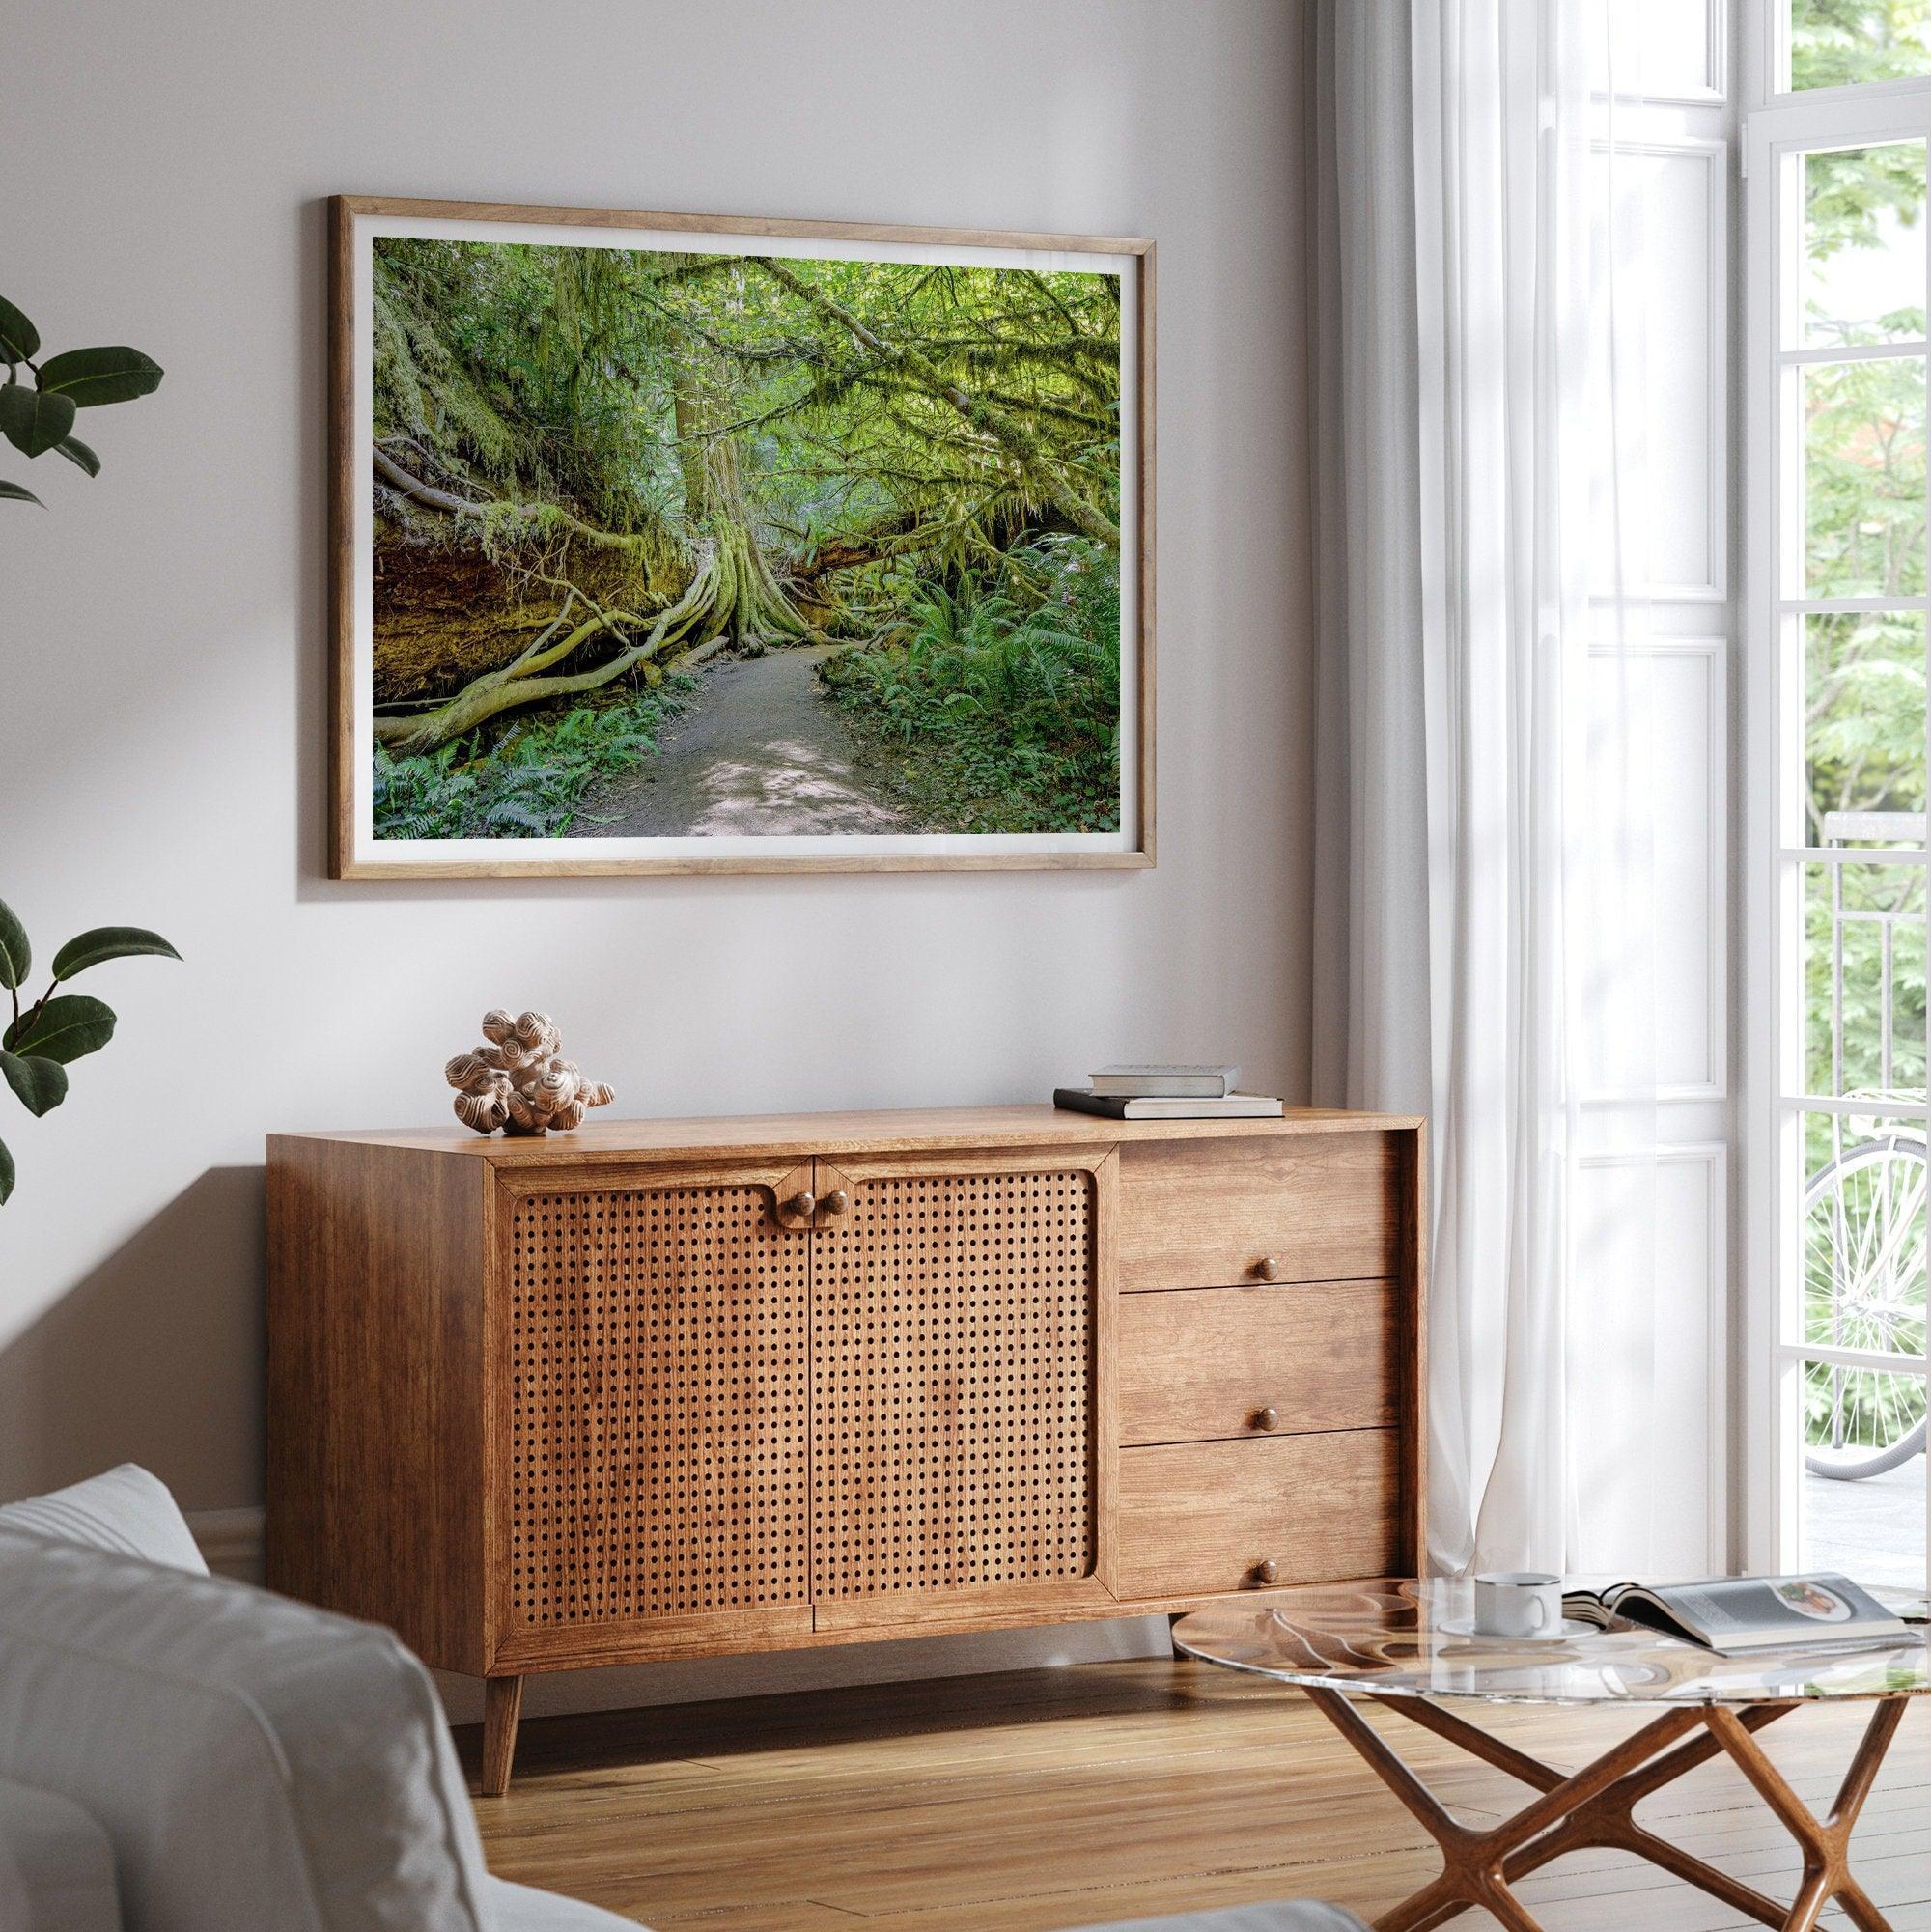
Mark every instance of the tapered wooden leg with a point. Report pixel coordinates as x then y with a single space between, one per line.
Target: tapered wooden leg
502 1706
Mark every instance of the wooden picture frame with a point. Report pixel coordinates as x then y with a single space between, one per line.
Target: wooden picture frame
357 851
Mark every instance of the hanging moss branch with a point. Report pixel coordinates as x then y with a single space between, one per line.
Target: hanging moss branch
497 516
1002 425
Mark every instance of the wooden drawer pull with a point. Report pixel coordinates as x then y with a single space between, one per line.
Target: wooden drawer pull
803 1205
1267 1571
1266 1418
1268 1267
835 1202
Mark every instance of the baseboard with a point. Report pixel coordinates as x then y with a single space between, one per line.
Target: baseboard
231 1541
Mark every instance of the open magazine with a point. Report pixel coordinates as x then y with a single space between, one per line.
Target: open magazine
1736 1616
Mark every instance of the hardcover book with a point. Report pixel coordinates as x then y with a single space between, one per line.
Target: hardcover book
1174 1081
1168 1106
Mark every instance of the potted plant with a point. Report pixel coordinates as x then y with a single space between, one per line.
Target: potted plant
39 416
45 1036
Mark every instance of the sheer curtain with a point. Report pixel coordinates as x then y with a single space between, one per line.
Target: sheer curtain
1482 888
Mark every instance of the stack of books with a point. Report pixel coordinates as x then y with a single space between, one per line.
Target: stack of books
1167 1093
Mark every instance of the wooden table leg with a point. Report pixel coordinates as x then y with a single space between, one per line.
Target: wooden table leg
502 1706
1610 1822
1595 1808
1473 1863
1826 1843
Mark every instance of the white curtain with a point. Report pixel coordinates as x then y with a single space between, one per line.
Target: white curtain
1483 725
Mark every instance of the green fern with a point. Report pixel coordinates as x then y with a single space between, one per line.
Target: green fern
531 782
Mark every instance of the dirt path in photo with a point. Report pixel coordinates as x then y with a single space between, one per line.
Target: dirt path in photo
761 750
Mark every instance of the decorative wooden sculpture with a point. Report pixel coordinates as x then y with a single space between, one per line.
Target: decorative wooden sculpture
518 1080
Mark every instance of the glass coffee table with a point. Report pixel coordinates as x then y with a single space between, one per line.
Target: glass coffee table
1408 1646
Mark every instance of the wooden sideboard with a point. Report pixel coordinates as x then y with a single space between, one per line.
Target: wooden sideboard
673 1388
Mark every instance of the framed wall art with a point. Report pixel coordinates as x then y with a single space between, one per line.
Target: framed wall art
672 544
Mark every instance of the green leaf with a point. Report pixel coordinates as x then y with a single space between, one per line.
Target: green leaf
34 420
16 957
40 1084
20 341
63 1030
91 377
12 493
6 1174
77 452
108 943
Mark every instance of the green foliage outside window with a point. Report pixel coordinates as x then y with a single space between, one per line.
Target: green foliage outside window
1851 43
1863 483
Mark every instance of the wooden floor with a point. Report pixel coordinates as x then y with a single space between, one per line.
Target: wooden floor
1064 1798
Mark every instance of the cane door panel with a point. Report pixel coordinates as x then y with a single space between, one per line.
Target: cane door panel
658 1391
958 1338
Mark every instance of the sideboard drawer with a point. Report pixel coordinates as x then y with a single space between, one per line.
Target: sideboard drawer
1308 1207
1201 1517
1288 1360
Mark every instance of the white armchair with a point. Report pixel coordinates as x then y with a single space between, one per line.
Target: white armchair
243 1761
183 1753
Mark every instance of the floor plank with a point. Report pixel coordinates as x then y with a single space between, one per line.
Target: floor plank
1044 1800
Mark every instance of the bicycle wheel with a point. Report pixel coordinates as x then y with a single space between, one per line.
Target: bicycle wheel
1864 1289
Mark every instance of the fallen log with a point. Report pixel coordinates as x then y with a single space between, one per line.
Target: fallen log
521 681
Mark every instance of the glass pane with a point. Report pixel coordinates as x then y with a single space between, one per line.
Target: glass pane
1863 478
1841 43
1863 245
1863 981
1863 729
1863 1252
1860 1257
1862 1507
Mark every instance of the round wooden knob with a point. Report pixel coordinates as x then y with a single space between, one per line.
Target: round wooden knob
1268 1267
802 1205
1266 1418
835 1202
1266 1570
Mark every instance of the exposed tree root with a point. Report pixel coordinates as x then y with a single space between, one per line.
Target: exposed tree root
700 653
733 596
747 601
521 681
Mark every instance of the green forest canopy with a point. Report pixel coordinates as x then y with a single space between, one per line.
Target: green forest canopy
588 460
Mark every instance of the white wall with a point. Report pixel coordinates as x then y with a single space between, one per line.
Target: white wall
162 683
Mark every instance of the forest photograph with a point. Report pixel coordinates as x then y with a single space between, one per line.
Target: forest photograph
705 546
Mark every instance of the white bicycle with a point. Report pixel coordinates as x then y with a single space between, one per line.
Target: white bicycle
1864 1288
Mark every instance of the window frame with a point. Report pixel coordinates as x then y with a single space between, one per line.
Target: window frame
1780 126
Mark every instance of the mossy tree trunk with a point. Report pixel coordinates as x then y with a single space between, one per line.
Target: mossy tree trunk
749 605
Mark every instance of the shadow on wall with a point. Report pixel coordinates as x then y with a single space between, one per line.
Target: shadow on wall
156 1358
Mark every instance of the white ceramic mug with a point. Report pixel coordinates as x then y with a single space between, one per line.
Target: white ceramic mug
1518 1602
